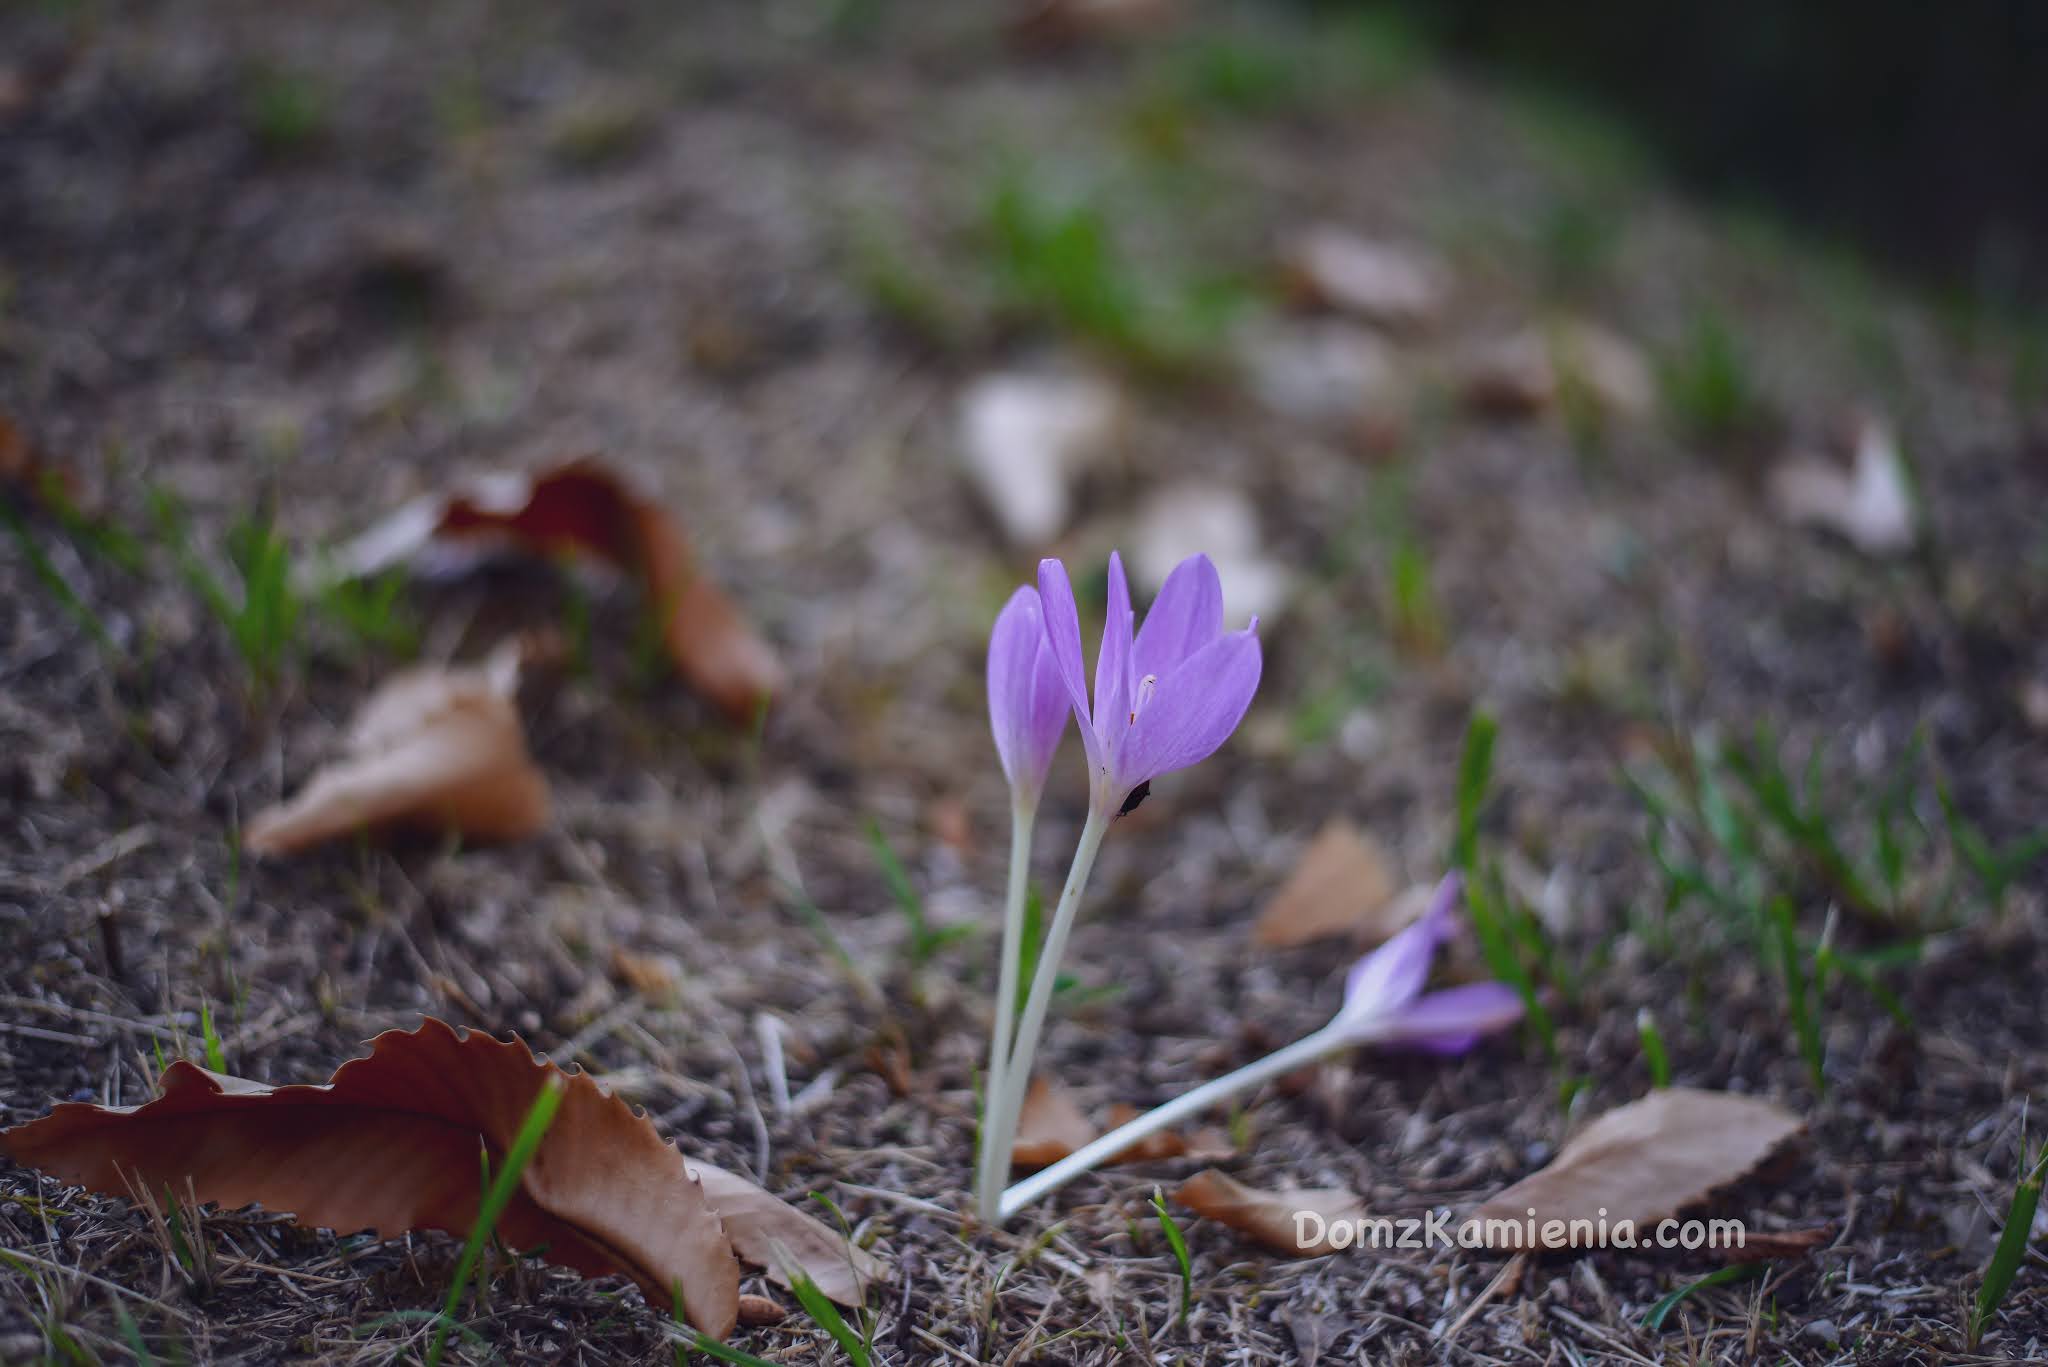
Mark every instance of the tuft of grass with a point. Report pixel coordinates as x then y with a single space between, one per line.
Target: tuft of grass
1654 1053
1179 1245
1800 1001
926 939
534 1128
59 588
1417 621
373 612
286 112
1056 262
1709 391
2012 1246
601 132
216 1059
1475 773
258 606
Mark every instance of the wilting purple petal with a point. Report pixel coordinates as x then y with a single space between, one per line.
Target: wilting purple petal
1192 711
1113 662
1063 633
1389 979
1187 615
1453 1020
1027 703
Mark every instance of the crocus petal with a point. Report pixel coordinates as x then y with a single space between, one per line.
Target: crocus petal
1027 703
1048 710
1113 663
1453 1020
1387 980
1193 710
1187 615
1013 649
1063 634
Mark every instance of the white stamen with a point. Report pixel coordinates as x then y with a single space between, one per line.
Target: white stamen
1146 687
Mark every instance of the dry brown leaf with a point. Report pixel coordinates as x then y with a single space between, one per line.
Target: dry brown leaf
1340 887
1528 372
433 749
1208 1144
390 1144
1268 1216
656 976
1049 1127
1334 268
764 1228
1648 1160
584 507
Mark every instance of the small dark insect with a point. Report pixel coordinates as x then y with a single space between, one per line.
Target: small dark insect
1138 794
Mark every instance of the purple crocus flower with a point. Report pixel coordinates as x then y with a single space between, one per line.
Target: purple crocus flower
1383 998
1027 703
1167 695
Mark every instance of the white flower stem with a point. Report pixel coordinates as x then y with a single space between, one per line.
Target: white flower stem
1002 1116
988 1177
1091 1155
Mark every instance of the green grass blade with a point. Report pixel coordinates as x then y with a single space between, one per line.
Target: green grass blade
922 942
1798 1000
2012 1246
1654 1319
539 1116
1179 1245
1654 1052
819 1307
1475 770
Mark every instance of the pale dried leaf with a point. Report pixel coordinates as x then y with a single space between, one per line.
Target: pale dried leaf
1342 886
1027 439
433 749
391 1144
1217 521
1529 371
1381 282
1870 505
1269 1216
1330 373
1648 1160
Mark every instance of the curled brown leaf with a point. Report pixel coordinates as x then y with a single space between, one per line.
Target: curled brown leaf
433 749
1269 1216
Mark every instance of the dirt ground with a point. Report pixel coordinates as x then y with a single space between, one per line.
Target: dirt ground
313 260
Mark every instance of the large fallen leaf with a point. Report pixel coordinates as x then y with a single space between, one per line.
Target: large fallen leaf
1269 1216
1026 440
1334 268
433 749
1340 887
1648 1160
586 508
1870 505
391 1144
